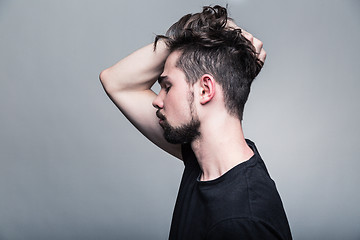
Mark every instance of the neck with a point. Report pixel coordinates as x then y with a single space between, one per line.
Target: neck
220 147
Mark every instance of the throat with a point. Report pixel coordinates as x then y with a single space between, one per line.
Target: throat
216 161
221 144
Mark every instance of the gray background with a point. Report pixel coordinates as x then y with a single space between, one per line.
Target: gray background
72 167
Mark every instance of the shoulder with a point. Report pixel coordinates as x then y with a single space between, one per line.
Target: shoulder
243 228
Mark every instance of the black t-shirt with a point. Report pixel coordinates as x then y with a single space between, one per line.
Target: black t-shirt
241 204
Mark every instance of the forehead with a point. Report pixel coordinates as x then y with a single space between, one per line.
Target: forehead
171 61
171 72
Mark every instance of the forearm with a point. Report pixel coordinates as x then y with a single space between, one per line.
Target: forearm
138 71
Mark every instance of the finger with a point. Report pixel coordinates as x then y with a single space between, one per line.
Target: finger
247 35
262 55
231 24
257 44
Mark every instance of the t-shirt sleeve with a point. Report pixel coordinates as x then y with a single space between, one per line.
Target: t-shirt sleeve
247 229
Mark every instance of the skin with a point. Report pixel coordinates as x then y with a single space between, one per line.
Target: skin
174 102
173 98
221 144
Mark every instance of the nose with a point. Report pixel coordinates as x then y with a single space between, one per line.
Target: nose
158 102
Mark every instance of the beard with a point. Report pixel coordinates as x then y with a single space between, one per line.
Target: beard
185 133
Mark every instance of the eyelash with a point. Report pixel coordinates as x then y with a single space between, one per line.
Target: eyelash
167 89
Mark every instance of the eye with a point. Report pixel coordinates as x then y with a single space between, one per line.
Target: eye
167 89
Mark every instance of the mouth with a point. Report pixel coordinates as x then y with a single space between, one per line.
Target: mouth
161 117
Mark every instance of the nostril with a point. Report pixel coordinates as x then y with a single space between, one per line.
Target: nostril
157 103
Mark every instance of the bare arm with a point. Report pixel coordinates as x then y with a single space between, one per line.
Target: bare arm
128 85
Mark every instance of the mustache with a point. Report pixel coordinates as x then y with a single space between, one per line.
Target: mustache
160 115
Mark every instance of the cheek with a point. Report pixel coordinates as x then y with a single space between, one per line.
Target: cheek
171 104
175 106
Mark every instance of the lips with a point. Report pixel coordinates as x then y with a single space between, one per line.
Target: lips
160 115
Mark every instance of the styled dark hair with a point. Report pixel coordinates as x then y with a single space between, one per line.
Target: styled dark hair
209 46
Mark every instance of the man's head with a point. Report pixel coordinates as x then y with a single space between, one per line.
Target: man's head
209 46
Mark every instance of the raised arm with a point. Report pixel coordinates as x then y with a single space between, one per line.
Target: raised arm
128 84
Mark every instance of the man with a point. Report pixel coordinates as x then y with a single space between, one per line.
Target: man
205 66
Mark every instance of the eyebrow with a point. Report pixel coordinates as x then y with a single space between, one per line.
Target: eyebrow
161 79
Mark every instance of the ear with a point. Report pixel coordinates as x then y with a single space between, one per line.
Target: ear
207 88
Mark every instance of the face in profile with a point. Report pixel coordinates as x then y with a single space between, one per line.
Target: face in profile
175 104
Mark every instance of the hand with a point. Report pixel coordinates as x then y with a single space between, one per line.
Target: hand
257 44
254 41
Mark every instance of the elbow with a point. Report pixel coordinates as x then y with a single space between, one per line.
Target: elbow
103 76
107 80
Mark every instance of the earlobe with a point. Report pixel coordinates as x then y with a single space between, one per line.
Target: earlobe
207 88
